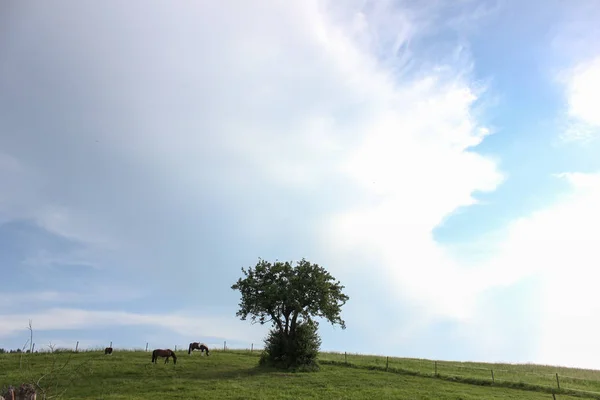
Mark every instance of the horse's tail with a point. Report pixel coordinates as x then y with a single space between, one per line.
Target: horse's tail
190 349
174 357
154 356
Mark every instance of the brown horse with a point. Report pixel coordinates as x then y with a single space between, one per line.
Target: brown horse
164 353
108 350
197 346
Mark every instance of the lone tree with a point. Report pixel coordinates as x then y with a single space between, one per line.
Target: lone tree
289 298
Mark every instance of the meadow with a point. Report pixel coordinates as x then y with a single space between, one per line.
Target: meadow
541 377
234 374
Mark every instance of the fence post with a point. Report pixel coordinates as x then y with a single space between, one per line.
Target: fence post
33 348
77 346
345 358
435 365
492 375
387 362
110 344
146 346
224 345
557 382
251 347
175 347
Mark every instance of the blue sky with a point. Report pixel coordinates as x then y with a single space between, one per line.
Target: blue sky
440 160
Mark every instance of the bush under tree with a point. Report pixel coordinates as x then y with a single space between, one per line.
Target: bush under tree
290 297
300 354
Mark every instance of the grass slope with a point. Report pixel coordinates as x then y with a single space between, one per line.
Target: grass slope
540 376
229 375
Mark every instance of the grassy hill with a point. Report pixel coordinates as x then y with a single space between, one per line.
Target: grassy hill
234 375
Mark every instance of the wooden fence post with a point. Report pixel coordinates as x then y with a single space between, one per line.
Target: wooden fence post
33 348
146 346
345 358
110 344
251 347
557 382
387 362
175 347
77 346
492 375
224 345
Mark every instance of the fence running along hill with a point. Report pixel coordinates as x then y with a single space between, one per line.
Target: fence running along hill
551 379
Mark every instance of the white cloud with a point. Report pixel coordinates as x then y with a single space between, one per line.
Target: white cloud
265 119
416 170
583 94
94 295
305 93
182 323
555 250
560 245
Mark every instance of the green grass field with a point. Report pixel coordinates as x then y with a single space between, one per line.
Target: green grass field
538 375
235 375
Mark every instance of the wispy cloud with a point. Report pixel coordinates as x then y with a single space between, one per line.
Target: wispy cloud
583 94
181 323
576 67
93 295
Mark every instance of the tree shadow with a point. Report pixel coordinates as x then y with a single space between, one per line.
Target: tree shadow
236 373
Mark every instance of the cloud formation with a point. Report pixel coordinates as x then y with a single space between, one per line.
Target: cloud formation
583 93
193 127
154 150
555 246
178 323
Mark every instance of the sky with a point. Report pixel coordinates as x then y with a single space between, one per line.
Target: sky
438 158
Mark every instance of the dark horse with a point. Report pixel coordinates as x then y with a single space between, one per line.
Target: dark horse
198 346
164 353
108 350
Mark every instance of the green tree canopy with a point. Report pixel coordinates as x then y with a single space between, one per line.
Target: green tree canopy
281 293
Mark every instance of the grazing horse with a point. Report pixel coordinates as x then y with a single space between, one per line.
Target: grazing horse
108 350
164 353
198 346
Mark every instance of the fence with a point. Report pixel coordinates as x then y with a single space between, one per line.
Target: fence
515 375
518 375
181 347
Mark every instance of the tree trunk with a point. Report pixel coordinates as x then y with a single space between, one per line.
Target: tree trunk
293 325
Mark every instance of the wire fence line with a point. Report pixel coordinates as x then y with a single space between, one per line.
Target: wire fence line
588 384
147 346
553 379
